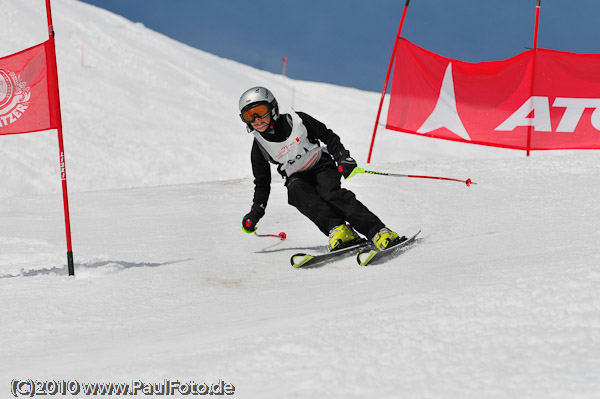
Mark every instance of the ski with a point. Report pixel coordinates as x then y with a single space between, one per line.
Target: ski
372 255
307 261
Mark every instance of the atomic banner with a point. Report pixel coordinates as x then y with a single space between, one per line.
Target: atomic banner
28 94
538 100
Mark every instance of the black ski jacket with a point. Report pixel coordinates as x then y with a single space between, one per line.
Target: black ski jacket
282 128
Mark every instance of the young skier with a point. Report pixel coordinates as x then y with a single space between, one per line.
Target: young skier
292 141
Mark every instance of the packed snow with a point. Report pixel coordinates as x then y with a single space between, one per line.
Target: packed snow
499 298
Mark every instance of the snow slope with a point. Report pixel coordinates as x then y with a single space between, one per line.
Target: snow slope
499 299
145 110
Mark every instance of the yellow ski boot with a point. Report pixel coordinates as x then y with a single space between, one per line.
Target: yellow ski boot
342 236
386 238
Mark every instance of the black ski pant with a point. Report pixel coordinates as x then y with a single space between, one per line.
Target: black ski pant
318 194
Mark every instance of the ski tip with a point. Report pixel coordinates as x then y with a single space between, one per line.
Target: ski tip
363 258
303 259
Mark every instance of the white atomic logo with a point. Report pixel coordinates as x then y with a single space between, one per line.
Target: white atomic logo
445 113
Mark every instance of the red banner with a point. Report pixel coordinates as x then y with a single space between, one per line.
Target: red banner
28 92
538 100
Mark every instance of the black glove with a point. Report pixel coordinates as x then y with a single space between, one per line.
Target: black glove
251 219
346 165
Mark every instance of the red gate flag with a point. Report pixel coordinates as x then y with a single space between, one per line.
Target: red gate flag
28 91
551 95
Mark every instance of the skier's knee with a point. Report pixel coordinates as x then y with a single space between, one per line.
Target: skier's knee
337 195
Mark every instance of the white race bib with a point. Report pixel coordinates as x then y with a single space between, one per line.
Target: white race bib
296 153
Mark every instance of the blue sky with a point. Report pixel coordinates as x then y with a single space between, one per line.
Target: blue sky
349 42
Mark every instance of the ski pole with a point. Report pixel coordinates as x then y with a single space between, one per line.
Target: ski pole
468 182
282 236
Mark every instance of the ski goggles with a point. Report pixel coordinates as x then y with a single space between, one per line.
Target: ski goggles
258 111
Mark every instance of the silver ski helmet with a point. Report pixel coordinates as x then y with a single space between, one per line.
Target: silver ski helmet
254 97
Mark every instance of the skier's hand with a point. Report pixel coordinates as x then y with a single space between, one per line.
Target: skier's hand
249 222
346 166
